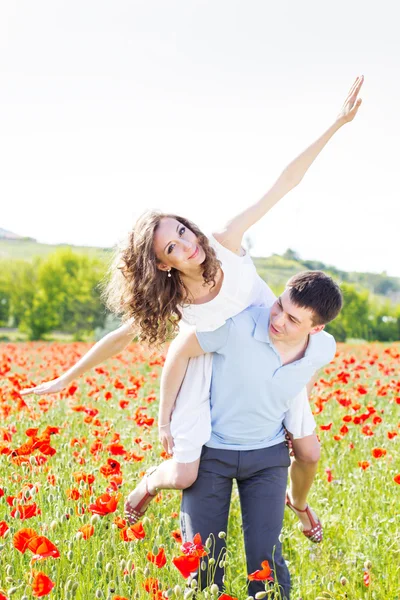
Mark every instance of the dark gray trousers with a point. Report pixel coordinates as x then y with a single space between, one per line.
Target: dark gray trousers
261 477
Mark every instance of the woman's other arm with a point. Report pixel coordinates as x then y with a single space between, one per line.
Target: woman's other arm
231 235
108 346
184 346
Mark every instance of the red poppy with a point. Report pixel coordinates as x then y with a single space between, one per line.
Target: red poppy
87 531
226 597
176 534
263 574
73 494
396 479
120 522
378 452
135 532
41 584
326 427
194 548
151 585
187 564
105 504
364 464
26 511
3 528
160 560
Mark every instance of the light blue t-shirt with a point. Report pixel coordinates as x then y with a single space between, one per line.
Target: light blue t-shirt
250 388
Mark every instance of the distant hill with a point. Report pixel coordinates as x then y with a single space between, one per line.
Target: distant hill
275 269
9 235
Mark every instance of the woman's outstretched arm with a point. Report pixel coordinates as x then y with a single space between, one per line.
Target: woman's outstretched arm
108 346
231 235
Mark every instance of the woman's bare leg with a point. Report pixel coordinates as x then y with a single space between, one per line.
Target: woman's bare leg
169 475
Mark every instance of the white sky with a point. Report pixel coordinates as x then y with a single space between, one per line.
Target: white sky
195 106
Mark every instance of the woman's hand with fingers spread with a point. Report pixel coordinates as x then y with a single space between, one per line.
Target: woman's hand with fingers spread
47 387
352 102
165 437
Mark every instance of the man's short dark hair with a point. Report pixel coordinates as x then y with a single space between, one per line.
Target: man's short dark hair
319 293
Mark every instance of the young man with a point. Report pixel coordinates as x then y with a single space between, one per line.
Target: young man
262 359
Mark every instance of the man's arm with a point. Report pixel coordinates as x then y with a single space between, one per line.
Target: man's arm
231 235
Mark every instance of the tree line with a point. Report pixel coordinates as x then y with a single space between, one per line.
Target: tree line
62 292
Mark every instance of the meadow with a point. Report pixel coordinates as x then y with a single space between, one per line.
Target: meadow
68 460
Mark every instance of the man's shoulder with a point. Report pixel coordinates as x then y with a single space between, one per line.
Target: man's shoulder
251 313
324 347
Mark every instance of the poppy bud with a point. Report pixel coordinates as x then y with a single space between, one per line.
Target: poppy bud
99 594
281 537
178 591
122 564
53 524
108 567
84 560
222 535
368 565
211 561
188 594
78 535
12 590
193 584
214 589
126 579
17 514
50 498
100 555
221 564
94 519
70 555
74 587
203 565
9 570
208 543
343 581
261 595
250 598
146 571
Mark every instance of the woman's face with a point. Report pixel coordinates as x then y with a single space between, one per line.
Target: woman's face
177 247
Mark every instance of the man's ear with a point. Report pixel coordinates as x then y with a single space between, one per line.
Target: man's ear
317 329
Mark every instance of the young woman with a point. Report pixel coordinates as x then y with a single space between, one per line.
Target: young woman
170 272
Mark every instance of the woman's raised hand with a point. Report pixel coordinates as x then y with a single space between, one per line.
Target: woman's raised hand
352 102
47 387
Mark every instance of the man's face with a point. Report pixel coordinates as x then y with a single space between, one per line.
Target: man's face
290 323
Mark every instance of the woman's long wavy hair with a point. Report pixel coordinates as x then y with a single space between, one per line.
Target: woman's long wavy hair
137 289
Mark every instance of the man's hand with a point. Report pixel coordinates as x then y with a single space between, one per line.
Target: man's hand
165 437
352 102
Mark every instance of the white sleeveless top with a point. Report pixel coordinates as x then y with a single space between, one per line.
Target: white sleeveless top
241 287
